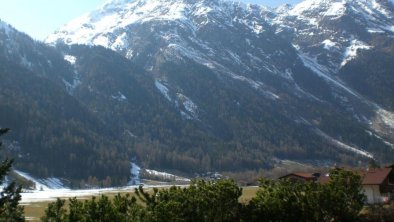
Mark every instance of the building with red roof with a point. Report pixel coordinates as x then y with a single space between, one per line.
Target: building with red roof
378 183
301 177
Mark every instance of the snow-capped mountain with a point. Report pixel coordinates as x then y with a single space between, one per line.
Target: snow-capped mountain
240 42
330 34
220 35
333 32
201 85
176 26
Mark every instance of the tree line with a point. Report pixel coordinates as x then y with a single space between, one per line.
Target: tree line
276 200
341 199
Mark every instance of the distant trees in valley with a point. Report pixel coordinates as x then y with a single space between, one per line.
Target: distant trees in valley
341 199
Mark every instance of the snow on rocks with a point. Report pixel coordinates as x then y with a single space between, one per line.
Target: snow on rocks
387 117
76 81
94 28
163 90
328 44
166 176
344 146
189 106
135 174
323 72
352 50
42 184
70 87
119 97
337 9
121 42
381 138
312 21
71 59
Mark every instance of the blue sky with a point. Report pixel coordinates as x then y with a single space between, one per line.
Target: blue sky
39 18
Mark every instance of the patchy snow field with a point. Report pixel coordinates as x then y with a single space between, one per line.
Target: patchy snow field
53 194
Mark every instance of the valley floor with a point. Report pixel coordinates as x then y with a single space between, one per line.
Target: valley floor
36 202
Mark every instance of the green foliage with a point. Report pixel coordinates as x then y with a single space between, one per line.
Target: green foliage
218 201
381 213
345 190
120 209
55 212
201 201
283 200
10 195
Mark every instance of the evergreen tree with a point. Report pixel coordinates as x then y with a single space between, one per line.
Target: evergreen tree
10 195
284 200
55 212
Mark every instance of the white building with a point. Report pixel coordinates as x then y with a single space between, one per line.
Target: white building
378 184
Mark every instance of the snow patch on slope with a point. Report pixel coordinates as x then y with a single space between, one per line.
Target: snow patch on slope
163 90
119 97
191 109
387 117
328 44
70 87
256 85
304 9
189 106
323 72
135 174
337 9
377 6
351 51
52 195
344 146
42 184
71 59
76 81
380 138
120 42
166 176
389 28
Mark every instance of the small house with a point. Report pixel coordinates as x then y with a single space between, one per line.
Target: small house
378 184
301 177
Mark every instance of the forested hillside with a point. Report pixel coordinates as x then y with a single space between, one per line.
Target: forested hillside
199 86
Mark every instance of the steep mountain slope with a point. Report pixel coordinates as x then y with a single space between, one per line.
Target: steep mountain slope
52 132
350 43
200 85
33 55
330 35
223 66
332 32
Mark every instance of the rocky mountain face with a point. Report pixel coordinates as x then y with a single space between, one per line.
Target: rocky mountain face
349 43
334 32
331 34
201 85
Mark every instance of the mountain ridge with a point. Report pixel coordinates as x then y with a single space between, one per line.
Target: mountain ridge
266 19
